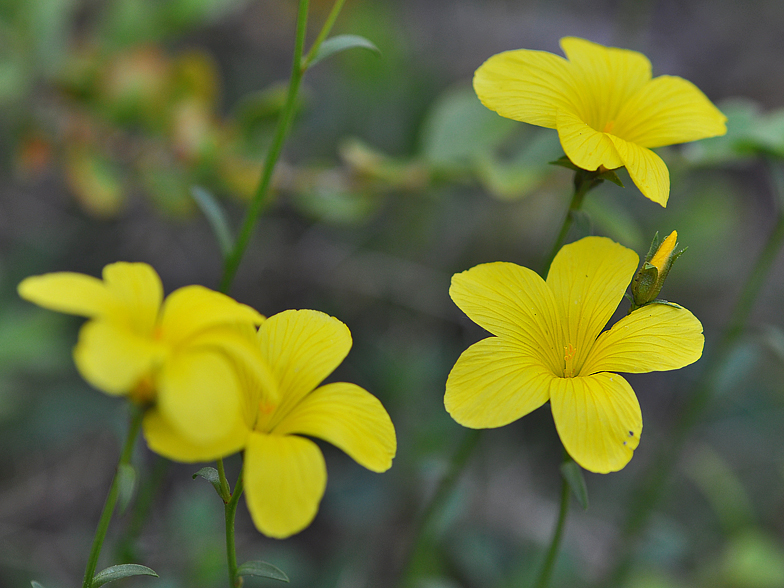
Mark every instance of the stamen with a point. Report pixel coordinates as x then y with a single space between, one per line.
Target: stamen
569 353
609 127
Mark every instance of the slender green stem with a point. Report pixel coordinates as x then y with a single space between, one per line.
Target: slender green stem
126 550
331 18
224 483
230 510
261 197
584 182
111 498
653 485
552 553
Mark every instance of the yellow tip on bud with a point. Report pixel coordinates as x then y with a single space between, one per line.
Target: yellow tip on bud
664 251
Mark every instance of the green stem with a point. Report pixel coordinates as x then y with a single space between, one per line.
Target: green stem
584 182
111 498
555 544
261 197
653 485
230 511
224 483
331 18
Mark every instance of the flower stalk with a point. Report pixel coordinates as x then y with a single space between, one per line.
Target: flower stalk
111 498
552 552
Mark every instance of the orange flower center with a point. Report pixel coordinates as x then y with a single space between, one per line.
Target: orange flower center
609 127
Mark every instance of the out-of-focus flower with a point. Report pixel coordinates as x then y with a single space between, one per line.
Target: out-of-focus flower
284 473
178 358
549 345
608 111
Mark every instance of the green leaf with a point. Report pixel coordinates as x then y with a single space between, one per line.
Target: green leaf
35 584
573 475
565 162
121 571
261 569
340 43
215 215
611 176
211 475
126 479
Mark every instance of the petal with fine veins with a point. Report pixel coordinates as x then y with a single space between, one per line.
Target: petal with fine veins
285 478
647 170
350 418
495 382
598 420
656 337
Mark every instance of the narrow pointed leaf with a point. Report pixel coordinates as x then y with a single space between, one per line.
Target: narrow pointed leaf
611 176
126 478
573 475
211 475
340 43
121 571
565 162
261 569
215 215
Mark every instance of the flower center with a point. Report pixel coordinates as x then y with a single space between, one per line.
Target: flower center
263 417
144 392
569 354
609 127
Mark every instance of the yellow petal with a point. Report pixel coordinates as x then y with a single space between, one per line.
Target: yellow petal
585 147
112 358
302 347
598 419
138 291
199 396
514 303
68 292
529 86
495 382
588 279
164 439
668 110
348 417
606 76
285 478
239 344
192 309
655 337
647 170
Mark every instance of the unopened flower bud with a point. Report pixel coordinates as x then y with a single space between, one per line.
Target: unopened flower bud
650 277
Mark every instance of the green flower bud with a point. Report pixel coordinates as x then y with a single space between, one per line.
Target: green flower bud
650 277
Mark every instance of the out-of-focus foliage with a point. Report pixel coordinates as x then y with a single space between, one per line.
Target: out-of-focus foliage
394 178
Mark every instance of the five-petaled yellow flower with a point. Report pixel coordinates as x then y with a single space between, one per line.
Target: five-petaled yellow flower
284 473
607 109
178 357
549 345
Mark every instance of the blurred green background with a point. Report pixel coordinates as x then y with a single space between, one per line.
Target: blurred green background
394 178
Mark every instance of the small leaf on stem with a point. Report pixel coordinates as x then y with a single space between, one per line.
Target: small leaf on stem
126 478
121 571
215 215
35 584
212 476
574 477
261 569
340 43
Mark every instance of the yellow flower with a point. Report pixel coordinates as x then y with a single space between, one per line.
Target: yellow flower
549 345
607 109
284 472
176 357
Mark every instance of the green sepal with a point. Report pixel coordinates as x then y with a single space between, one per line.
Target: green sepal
213 212
565 162
644 284
126 480
119 572
666 303
654 247
35 584
261 569
338 44
212 476
611 176
573 474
